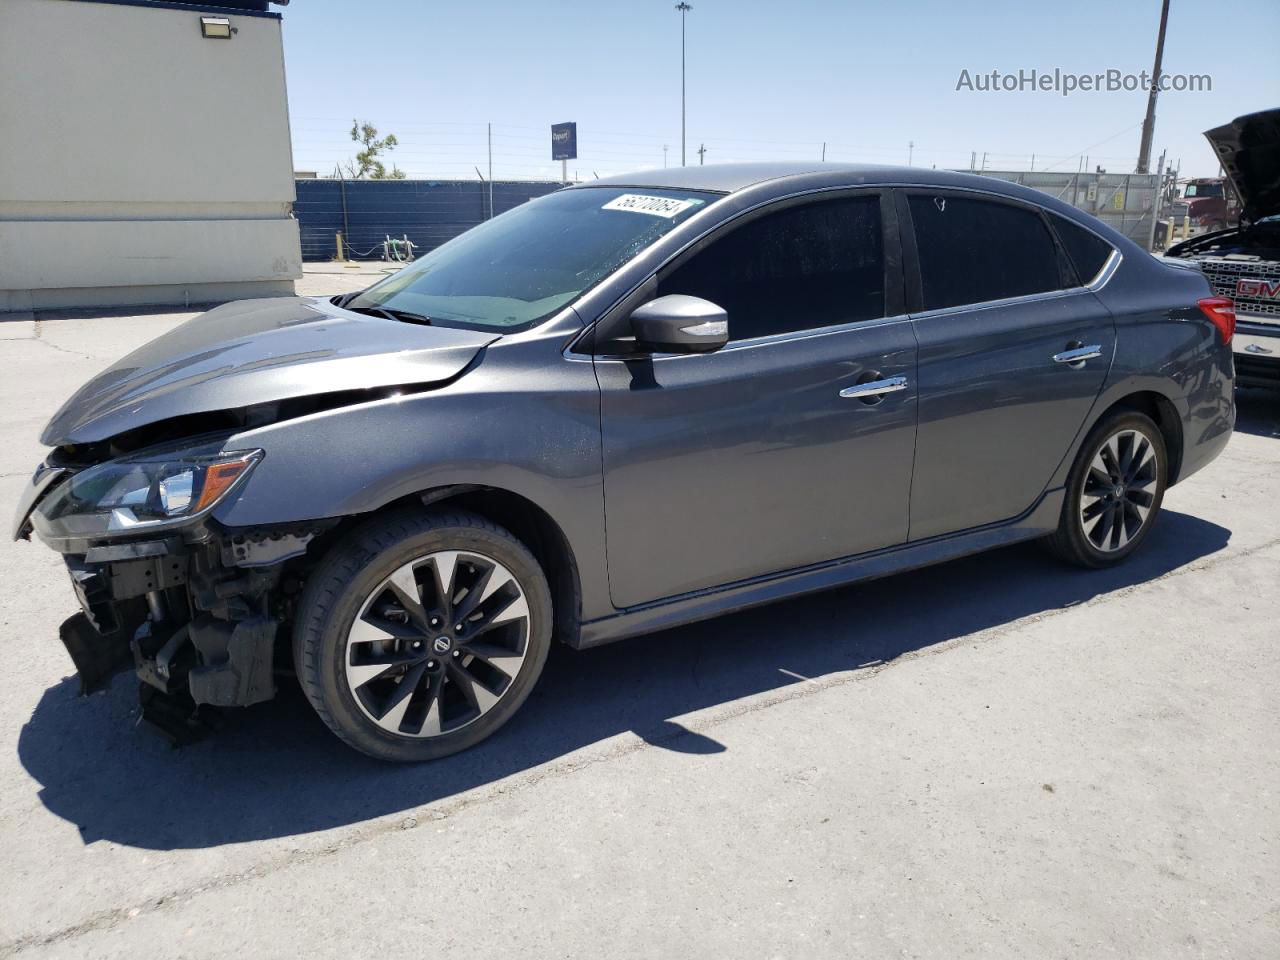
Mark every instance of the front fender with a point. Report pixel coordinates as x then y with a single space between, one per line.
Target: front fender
519 422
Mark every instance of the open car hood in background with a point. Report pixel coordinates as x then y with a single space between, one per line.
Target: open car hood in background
259 351
1249 149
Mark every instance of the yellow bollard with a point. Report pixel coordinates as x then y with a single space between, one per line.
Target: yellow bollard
341 253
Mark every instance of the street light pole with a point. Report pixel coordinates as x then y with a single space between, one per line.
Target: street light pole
683 8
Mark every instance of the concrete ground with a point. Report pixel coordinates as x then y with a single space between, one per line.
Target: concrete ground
999 757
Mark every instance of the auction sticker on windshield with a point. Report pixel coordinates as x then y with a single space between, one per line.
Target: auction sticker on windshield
655 206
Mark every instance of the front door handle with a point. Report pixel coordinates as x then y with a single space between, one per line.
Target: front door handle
1076 356
875 388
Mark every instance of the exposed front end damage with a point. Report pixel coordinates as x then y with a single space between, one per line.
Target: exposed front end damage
144 454
199 618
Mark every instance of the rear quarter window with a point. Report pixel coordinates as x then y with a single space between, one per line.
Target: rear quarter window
1088 251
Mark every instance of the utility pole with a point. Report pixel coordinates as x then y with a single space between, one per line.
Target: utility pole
824 151
491 171
1155 201
1149 122
664 156
683 8
911 146
702 153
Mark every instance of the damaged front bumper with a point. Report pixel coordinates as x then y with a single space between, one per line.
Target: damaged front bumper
181 619
197 613
195 631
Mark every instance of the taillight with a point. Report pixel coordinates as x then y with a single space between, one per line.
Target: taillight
1222 314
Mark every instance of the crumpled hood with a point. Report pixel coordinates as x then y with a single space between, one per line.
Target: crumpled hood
1249 149
259 351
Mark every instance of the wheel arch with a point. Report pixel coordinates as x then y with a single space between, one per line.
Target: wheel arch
536 529
527 521
1165 415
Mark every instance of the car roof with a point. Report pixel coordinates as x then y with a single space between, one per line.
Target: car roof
767 181
721 177
732 177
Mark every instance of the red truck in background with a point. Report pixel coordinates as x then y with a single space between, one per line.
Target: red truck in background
1209 202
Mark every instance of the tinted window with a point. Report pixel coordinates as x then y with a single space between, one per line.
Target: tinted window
972 251
805 267
528 263
1087 251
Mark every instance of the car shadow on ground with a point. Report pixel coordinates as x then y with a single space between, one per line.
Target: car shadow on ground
1258 411
275 771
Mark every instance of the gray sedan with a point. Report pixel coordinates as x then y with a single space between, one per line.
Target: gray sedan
627 405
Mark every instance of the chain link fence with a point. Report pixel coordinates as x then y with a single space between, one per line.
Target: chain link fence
426 212
1126 202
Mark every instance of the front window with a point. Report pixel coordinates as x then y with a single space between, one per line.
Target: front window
1203 190
523 266
802 268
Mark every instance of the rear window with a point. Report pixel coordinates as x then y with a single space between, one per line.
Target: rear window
973 251
1088 251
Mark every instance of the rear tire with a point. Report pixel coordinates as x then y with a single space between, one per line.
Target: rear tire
420 634
1114 492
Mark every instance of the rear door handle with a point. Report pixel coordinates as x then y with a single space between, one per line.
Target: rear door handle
875 388
1076 356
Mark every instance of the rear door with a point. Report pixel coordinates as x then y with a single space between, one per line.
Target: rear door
736 464
1014 350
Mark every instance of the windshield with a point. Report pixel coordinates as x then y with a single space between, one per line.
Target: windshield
1203 190
525 265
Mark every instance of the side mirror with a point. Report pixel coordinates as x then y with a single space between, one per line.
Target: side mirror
680 324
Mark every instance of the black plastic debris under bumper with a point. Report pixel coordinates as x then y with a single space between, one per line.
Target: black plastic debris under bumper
97 656
237 661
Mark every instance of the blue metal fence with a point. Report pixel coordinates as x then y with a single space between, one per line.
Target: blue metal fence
429 212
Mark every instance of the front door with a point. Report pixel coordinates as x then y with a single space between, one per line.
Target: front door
1013 353
769 454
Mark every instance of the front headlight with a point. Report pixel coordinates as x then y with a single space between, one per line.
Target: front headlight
137 494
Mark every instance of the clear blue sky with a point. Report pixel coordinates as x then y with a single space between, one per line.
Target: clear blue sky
765 80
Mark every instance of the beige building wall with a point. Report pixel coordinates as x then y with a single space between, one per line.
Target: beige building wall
139 161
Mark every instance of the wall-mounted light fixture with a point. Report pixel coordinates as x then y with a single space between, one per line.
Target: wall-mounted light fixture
215 28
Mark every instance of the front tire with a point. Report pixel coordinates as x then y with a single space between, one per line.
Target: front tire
1114 492
420 635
